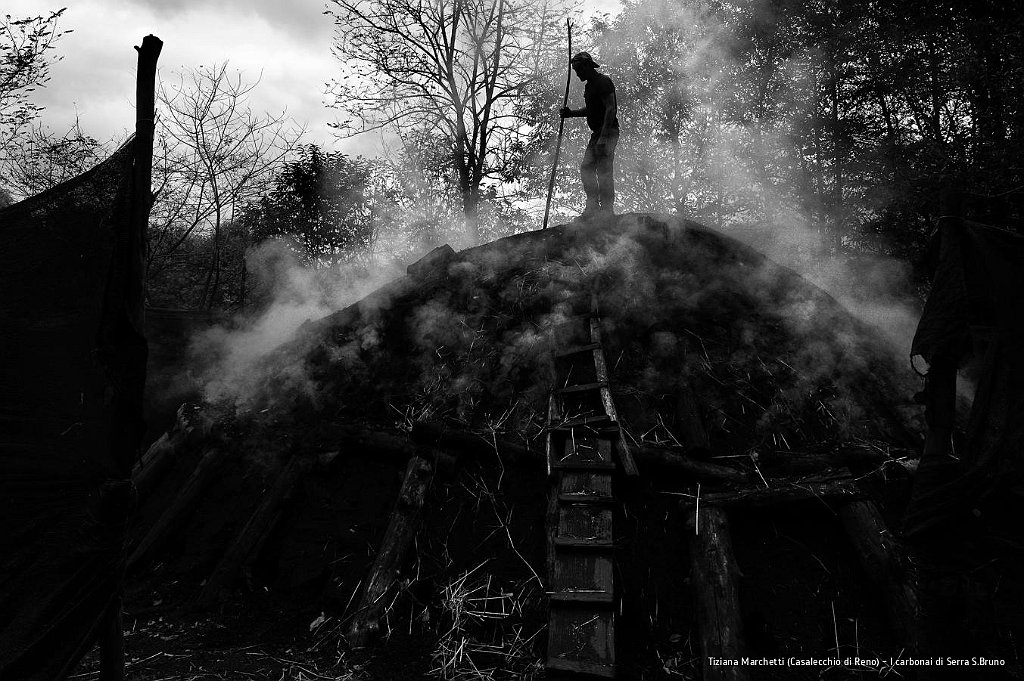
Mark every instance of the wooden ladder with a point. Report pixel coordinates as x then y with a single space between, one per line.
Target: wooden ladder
585 446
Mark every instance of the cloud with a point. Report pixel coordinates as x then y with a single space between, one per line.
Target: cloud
303 19
289 43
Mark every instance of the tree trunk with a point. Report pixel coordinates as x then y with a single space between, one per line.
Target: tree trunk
838 152
935 114
465 173
890 135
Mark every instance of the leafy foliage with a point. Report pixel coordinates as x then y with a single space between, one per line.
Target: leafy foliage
24 67
853 116
324 203
448 71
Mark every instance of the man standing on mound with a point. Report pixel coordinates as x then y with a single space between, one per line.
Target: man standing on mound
600 109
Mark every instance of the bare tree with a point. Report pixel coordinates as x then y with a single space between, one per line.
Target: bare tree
24 67
215 156
44 159
452 71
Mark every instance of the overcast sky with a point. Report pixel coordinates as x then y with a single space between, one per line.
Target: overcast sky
288 41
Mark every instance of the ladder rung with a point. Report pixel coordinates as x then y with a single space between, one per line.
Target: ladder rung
572 320
584 544
589 422
586 498
574 464
579 349
605 597
582 387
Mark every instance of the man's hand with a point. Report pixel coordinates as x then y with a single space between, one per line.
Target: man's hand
565 112
601 148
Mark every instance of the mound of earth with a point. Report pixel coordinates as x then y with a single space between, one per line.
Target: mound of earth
717 356
777 364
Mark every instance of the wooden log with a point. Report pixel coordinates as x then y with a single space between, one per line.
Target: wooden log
715 577
785 492
259 525
180 508
470 444
887 567
675 461
794 463
398 538
377 443
190 428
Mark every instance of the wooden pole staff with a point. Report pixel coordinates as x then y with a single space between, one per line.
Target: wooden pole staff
111 639
561 125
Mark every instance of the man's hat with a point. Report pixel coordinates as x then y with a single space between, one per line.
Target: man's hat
584 57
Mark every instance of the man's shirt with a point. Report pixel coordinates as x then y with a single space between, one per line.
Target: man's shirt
594 93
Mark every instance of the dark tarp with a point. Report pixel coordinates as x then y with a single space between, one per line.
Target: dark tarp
975 311
72 369
978 281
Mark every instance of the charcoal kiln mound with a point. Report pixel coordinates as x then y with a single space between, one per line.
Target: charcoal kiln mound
386 483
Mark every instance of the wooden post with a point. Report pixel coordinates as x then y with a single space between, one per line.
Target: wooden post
716 592
397 539
145 110
112 634
142 193
259 525
112 644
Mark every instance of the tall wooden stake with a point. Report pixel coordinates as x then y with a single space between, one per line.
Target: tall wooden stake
561 125
111 630
142 199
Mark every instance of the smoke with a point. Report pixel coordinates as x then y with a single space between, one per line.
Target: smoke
702 173
724 151
233 362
